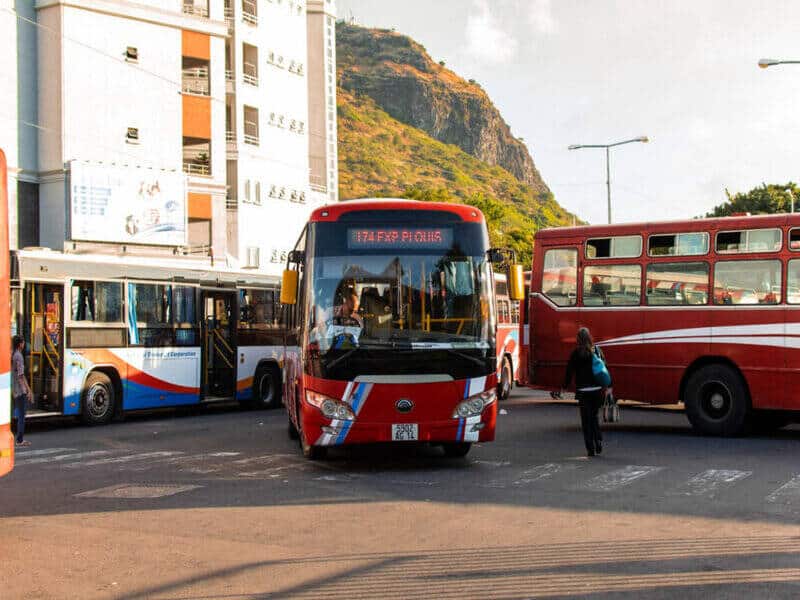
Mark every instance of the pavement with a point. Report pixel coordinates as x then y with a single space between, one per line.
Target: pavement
218 503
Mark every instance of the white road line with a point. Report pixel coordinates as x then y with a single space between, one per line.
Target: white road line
121 459
709 482
619 478
542 472
25 454
788 493
62 457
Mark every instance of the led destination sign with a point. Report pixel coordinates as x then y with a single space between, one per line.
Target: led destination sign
362 238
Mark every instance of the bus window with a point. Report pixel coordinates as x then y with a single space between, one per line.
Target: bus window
751 240
747 282
678 244
612 285
621 246
670 284
560 276
793 282
503 311
794 239
257 309
97 301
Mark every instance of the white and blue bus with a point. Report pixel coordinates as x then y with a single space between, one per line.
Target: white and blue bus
107 334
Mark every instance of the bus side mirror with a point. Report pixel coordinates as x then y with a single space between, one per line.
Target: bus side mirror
516 283
495 255
289 287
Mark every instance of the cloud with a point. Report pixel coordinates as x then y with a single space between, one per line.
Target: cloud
487 40
540 16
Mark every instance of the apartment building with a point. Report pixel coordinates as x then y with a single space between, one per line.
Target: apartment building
159 126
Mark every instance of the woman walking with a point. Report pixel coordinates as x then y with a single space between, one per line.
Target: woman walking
588 392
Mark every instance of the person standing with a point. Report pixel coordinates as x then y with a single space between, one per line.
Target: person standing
588 392
20 389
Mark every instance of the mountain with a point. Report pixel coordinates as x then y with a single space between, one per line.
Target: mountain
410 127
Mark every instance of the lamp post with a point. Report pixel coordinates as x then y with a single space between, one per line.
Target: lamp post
771 62
644 139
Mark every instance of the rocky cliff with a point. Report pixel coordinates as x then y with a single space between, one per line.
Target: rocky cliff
403 80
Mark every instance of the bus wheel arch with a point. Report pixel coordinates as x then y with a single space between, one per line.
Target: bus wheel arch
506 380
716 397
267 385
101 397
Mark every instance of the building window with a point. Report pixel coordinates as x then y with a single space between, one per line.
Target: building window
250 64
251 125
257 198
132 136
247 190
132 54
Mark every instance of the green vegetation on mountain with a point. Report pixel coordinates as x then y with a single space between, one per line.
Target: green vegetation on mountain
410 128
764 199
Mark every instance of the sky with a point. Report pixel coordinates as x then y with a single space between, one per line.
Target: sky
682 72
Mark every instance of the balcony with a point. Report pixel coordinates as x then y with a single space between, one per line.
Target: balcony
251 139
228 14
231 203
250 74
196 169
249 12
196 8
196 156
230 136
195 81
230 82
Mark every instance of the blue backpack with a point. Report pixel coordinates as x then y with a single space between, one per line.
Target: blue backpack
601 375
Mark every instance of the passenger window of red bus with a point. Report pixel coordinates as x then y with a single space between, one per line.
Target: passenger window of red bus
747 282
560 276
751 240
678 244
793 282
612 285
670 284
794 239
621 246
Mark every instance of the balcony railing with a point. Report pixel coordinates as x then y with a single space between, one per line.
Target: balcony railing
197 10
195 81
196 168
249 17
250 73
230 135
229 75
231 203
251 139
227 12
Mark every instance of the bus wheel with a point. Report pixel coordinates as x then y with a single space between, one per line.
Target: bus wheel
504 385
716 401
98 400
266 391
457 449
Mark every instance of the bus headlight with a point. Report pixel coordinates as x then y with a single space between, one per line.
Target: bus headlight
474 405
330 407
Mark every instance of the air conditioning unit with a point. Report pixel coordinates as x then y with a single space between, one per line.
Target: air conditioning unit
253 257
132 136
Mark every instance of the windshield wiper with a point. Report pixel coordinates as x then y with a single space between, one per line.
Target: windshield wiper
477 361
339 359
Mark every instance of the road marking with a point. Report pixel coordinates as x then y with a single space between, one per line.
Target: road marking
63 457
709 482
619 478
137 491
120 459
788 493
542 472
25 454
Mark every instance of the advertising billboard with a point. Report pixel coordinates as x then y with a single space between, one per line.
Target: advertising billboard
127 205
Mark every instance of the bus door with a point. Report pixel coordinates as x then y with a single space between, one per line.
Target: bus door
219 344
44 328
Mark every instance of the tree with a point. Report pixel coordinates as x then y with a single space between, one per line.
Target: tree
765 199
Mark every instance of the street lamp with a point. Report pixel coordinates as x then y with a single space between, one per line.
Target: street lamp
644 139
771 62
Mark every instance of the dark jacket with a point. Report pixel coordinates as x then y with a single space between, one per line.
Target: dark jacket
580 366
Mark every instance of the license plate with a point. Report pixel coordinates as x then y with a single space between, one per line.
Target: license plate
405 432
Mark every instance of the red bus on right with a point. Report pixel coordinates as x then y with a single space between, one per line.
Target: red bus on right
704 312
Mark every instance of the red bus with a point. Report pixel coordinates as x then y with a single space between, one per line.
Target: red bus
703 312
391 327
508 337
6 439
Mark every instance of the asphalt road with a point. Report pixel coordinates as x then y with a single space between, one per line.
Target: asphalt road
220 504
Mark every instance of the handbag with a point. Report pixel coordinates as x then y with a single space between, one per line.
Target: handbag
611 412
599 370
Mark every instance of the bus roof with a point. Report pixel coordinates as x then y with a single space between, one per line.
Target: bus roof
332 212
664 227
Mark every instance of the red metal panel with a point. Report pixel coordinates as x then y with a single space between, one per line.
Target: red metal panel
333 212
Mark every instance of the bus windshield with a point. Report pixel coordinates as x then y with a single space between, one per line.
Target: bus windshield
375 289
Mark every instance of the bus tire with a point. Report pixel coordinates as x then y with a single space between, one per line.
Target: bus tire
456 449
266 388
717 402
506 380
98 400
292 431
312 452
